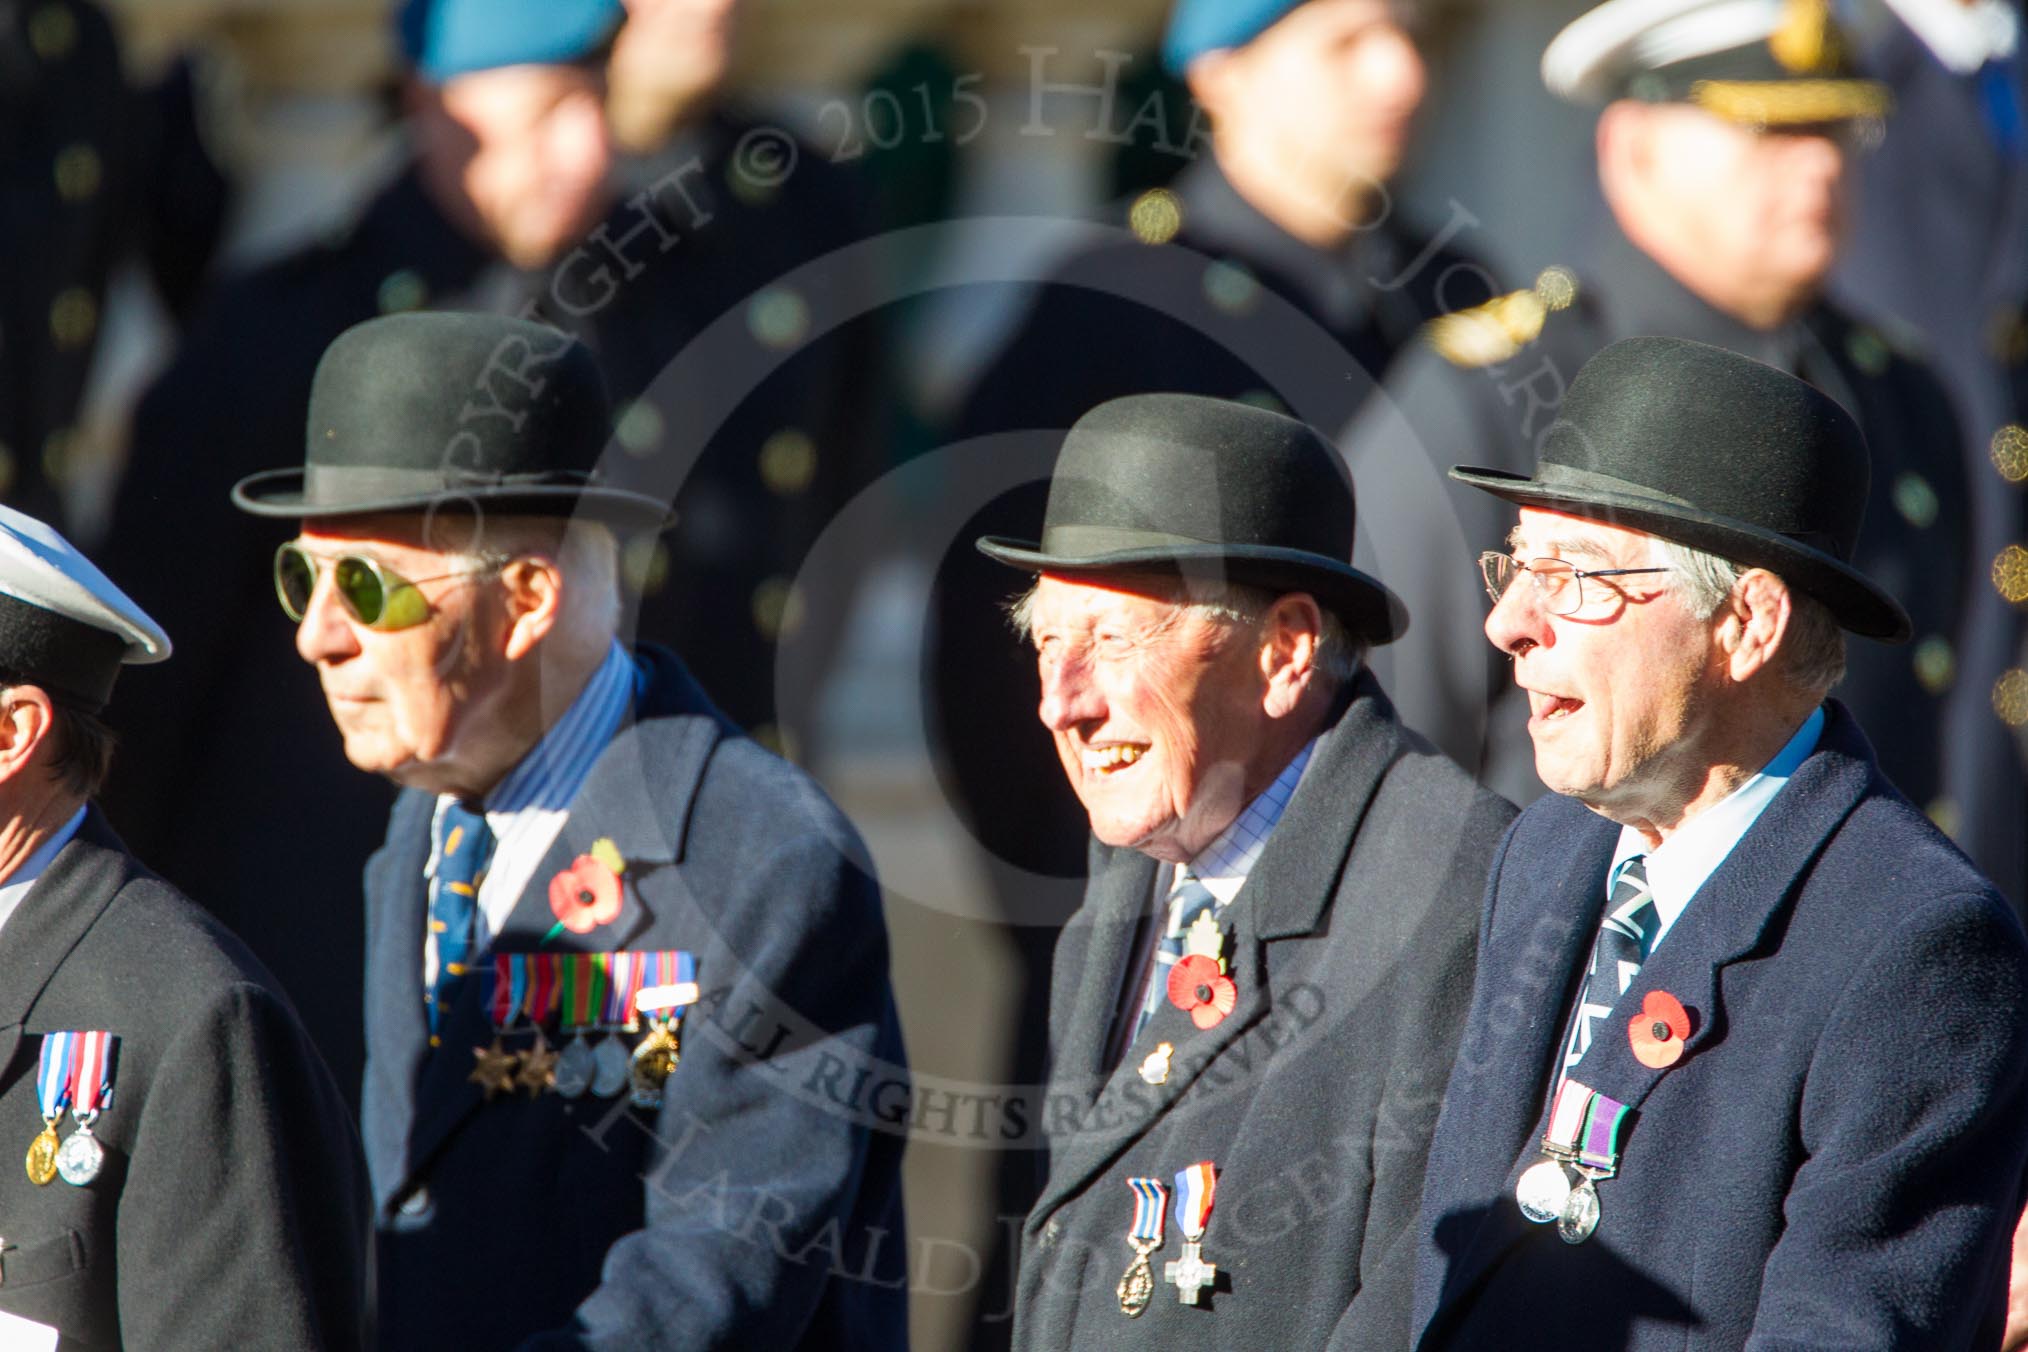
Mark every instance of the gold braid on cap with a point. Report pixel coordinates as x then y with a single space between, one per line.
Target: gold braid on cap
1789 103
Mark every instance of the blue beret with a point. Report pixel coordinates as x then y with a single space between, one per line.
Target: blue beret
442 38
1200 26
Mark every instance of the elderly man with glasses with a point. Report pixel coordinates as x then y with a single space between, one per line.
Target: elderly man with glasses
1747 1059
584 850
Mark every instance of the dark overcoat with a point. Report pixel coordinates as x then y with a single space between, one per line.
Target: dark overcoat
1351 948
231 1211
1836 1159
760 1206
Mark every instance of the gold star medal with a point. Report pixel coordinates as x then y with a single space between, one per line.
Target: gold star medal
493 1069
538 1067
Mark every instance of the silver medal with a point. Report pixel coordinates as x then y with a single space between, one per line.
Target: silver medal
1580 1213
79 1159
610 1067
1544 1191
574 1068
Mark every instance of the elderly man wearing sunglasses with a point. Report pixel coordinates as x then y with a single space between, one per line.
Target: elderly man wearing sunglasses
584 850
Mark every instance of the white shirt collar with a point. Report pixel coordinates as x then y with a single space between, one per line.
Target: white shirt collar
1222 865
1680 865
15 889
1962 37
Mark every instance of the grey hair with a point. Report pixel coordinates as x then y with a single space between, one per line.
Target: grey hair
1234 603
587 553
1812 655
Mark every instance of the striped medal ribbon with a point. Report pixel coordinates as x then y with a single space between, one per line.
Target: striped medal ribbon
1190 1274
670 988
584 995
1151 1211
611 1065
92 1056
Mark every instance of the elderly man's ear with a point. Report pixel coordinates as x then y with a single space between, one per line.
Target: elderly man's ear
533 587
1752 623
1289 635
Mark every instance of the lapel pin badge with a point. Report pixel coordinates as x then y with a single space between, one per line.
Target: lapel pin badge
1155 1065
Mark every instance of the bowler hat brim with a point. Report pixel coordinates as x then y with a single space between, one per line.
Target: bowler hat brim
283 493
1368 609
1855 601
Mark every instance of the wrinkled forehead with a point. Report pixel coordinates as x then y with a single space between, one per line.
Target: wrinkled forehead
1541 534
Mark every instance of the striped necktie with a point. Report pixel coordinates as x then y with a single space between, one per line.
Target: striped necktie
464 847
1188 899
1626 934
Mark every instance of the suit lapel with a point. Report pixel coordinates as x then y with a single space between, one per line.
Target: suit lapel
1120 900
397 1025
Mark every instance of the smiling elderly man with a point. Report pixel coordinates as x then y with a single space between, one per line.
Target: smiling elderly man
1748 1038
583 849
1253 1012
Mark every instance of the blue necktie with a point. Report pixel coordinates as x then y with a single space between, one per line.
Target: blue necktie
464 847
1188 899
1626 934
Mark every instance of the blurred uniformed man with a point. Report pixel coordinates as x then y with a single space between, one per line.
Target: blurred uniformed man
1722 153
1940 245
508 204
90 170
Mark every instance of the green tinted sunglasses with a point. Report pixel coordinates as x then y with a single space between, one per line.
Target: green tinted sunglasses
376 597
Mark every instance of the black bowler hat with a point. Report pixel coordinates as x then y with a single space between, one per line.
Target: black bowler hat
1208 489
1719 452
417 411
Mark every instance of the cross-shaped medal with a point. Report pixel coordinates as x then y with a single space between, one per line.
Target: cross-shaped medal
1190 1274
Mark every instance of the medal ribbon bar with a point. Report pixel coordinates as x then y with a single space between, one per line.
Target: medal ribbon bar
1195 1189
91 1073
1151 1207
1584 1126
53 1080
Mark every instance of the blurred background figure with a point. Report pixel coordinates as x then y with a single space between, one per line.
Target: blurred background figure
94 172
1939 249
1722 155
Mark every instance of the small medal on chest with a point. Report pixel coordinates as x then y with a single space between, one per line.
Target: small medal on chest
584 994
1190 1274
1580 1149
671 988
1151 1212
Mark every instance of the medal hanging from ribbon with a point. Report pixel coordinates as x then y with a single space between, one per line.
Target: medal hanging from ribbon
670 987
584 994
510 988
1151 1217
612 1068
1580 1148
1190 1274
52 1093
92 1058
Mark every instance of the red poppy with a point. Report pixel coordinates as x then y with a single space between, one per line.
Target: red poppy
1197 987
585 895
1658 1031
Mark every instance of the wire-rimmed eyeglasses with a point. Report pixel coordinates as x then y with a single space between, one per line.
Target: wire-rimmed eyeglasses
1558 585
